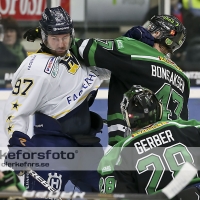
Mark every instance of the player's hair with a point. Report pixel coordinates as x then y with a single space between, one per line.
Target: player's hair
172 32
140 107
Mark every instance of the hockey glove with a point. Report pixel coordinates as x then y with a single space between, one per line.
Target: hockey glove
141 34
32 34
19 144
10 182
96 127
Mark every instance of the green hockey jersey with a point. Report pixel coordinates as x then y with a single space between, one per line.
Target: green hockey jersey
150 158
132 62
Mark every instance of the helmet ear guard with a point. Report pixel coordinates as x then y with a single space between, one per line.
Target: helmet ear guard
140 107
172 32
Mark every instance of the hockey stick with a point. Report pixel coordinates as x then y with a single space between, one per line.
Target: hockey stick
26 180
183 178
41 180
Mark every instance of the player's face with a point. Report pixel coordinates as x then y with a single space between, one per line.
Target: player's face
59 44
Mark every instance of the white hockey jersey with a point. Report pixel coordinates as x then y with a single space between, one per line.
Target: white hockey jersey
51 85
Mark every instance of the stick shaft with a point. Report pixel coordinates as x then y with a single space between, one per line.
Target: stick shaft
41 180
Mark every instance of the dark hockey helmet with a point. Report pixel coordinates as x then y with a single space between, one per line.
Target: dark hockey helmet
140 107
55 21
173 33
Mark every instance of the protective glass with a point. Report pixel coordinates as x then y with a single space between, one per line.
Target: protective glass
149 26
178 42
1 33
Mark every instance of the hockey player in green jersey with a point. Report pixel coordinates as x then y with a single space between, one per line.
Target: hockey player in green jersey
152 152
133 62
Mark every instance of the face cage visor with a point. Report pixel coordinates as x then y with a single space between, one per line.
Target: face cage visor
124 107
45 41
166 38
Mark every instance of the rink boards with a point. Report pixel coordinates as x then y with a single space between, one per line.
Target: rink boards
100 106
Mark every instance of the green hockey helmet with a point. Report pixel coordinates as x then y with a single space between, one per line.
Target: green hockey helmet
140 107
172 32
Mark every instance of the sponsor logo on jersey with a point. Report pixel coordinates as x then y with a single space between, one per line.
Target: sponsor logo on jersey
55 181
39 125
31 62
120 44
49 65
106 169
55 70
106 44
169 61
22 141
87 83
149 128
71 63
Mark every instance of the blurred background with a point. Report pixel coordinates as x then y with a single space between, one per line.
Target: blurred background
99 19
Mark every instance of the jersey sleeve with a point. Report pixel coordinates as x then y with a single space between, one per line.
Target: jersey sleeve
123 172
103 74
109 54
107 167
106 171
23 101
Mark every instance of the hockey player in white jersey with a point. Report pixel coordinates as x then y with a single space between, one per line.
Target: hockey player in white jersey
54 86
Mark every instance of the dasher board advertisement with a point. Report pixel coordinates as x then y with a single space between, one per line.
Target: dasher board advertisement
105 11
28 10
